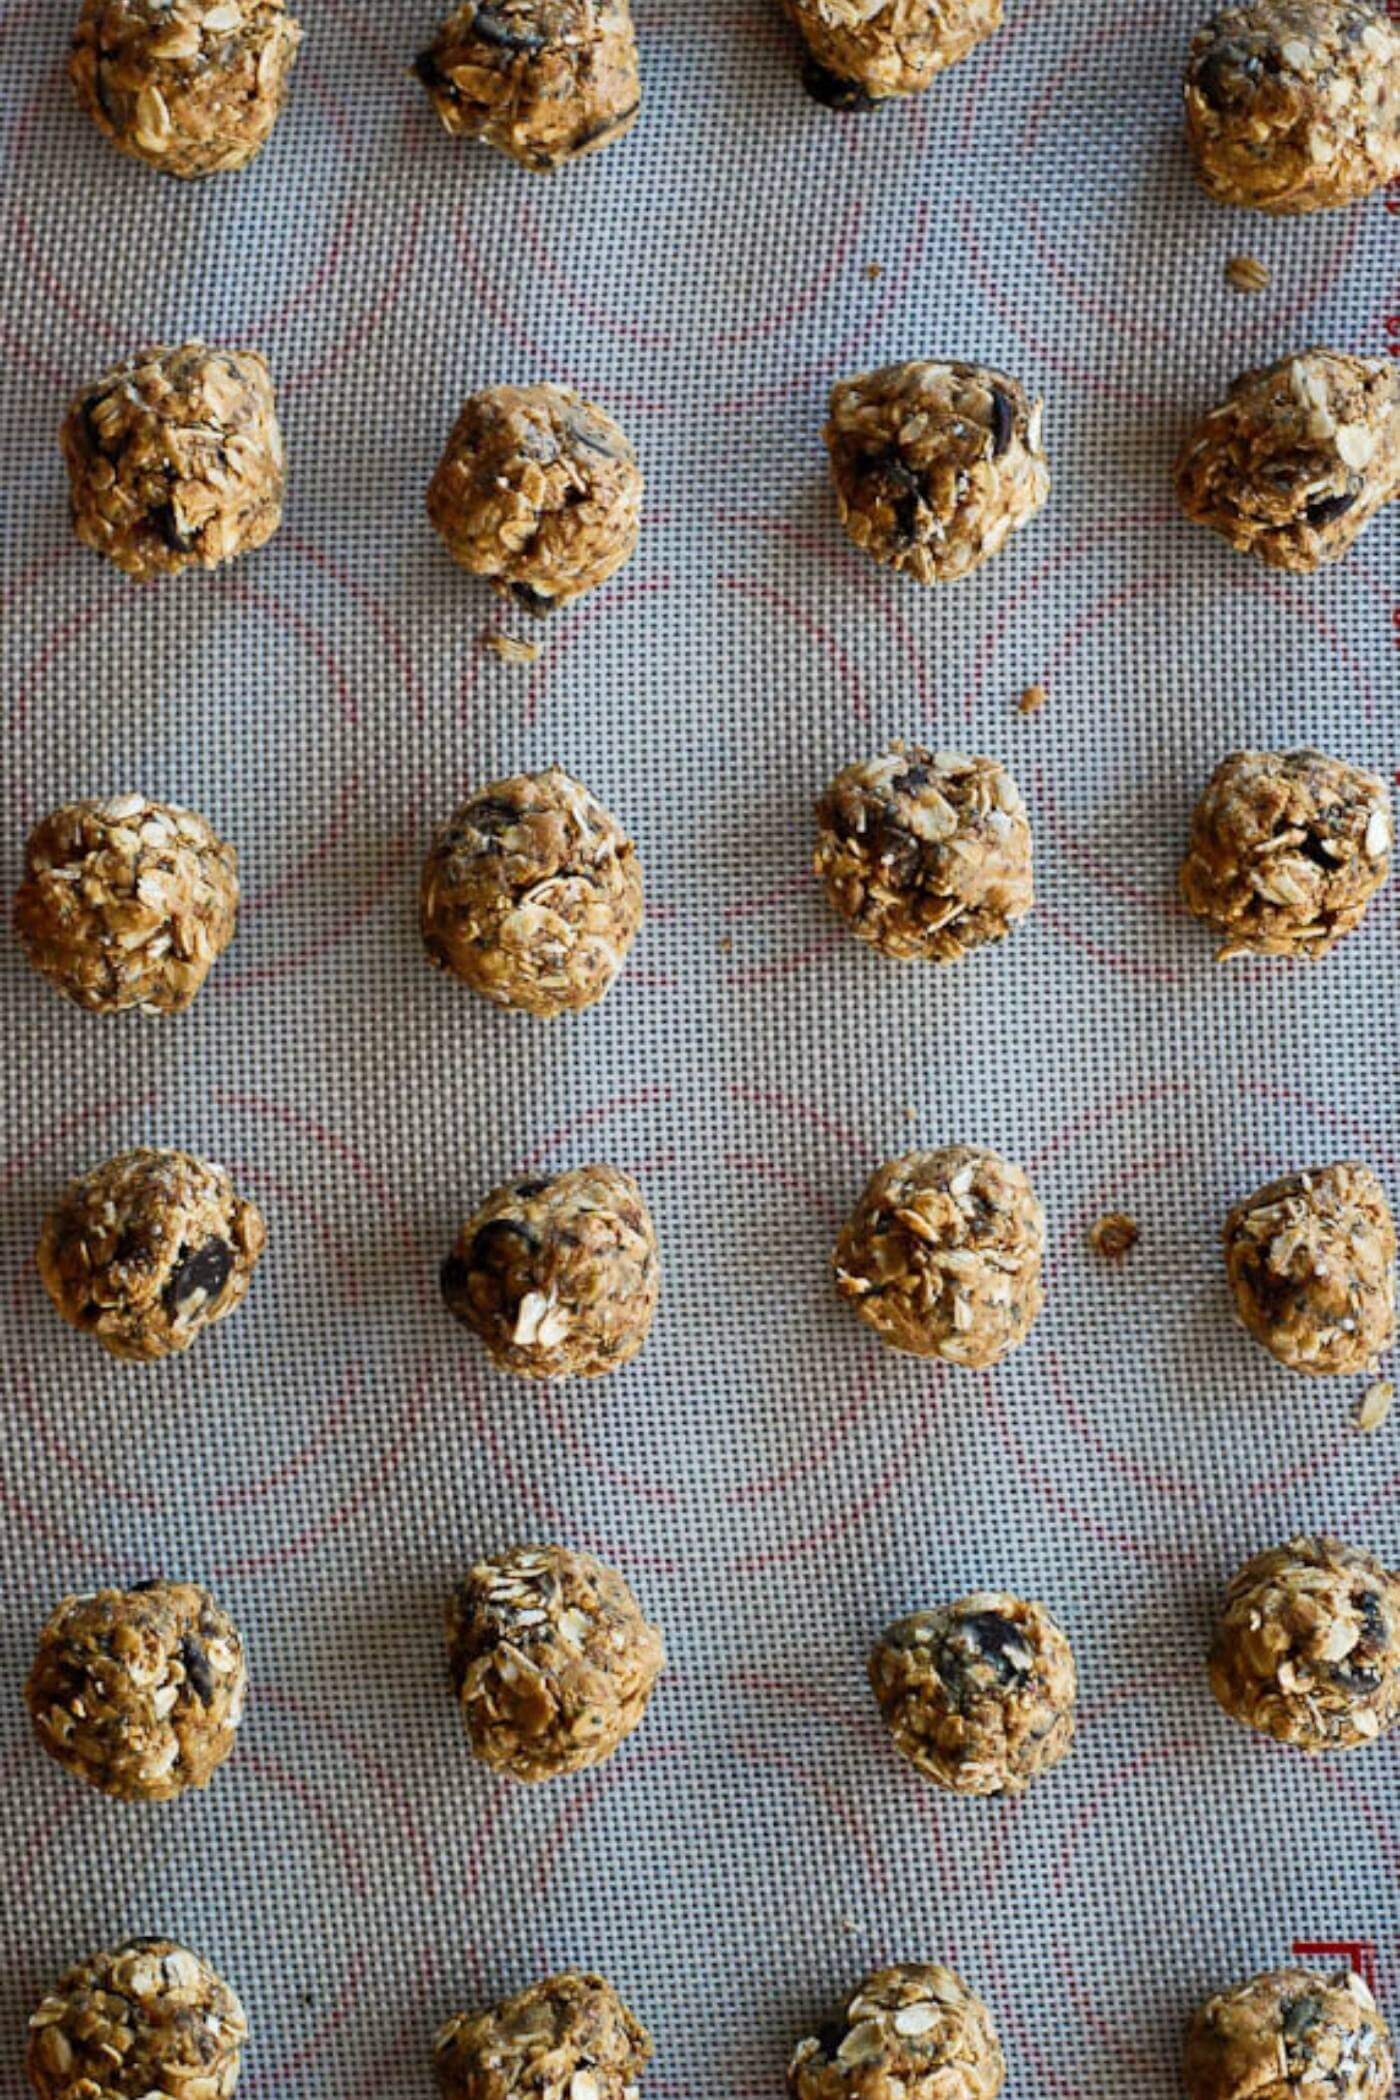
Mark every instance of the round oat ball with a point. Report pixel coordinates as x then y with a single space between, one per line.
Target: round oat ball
148 1249
544 81
1298 459
140 1692
126 902
558 1274
539 491
147 2020
979 1695
1289 2032
551 1659
193 87
1294 105
942 1255
532 894
1308 1646
175 460
860 52
911 2032
1287 849
935 465
1311 1263
925 854
568 2037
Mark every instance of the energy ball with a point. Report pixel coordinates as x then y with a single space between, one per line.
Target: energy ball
860 52
175 460
539 491
192 87
1294 105
1299 458
140 1692
1287 849
978 1696
925 854
935 465
1290 2031
147 2020
1307 1649
532 895
558 1275
126 902
942 1255
569 2037
551 1660
911 2032
149 1249
545 81
1311 1263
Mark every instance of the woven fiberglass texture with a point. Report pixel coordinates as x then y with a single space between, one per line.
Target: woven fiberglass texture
774 1484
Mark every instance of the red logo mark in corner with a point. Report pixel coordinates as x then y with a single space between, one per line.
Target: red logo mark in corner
1359 1955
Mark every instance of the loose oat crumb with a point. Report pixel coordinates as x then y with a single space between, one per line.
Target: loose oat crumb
1373 1408
726 944
1114 1235
1247 274
509 649
874 270
1032 700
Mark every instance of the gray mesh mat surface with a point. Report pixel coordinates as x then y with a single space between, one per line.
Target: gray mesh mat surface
775 1486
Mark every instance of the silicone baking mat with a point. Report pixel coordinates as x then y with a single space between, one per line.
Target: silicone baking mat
774 1484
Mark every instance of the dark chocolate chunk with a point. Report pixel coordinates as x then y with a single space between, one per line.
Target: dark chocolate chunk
172 533
206 1269
507 32
497 1246
431 74
199 1674
847 96
1003 422
1226 76
903 491
533 601
997 1642
1325 508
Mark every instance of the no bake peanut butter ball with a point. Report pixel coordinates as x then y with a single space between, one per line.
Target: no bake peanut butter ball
532 894
540 492
1311 1263
1294 105
913 2031
1307 1649
942 1255
192 87
140 1692
935 465
567 2037
544 81
1298 459
126 902
558 1274
175 460
147 2021
925 854
1287 849
551 1659
149 1249
862 52
979 1695
1287 2035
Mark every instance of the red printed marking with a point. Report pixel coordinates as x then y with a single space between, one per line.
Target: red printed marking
1359 1955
